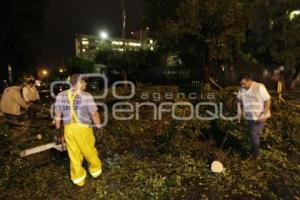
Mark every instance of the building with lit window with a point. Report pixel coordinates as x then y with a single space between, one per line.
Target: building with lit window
87 46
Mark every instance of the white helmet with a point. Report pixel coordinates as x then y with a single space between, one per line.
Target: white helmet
217 167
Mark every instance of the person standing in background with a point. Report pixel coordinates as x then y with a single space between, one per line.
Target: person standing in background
256 102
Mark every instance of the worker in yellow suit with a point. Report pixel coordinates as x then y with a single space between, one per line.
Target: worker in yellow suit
78 109
280 85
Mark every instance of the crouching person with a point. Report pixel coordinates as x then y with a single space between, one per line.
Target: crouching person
11 104
31 96
78 109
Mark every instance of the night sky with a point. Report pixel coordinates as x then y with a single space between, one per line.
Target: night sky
65 18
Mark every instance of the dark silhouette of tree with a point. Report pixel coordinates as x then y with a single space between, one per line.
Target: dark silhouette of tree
22 24
276 41
79 65
201 32
128 62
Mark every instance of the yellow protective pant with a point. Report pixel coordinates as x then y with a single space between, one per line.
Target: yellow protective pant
80 142
279 89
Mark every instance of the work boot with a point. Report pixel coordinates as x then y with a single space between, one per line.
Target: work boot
80 184
255 151
96 174
80 181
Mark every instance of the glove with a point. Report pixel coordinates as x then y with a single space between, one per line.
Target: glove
98 133
59 137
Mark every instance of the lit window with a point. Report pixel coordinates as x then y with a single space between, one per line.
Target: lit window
134 44
85 42
117 42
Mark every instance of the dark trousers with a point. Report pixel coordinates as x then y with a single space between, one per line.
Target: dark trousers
13 120
10 117
32 110
255 129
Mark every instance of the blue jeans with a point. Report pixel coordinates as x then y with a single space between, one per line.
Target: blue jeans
255 129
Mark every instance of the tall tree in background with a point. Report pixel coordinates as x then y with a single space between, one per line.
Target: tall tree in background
201 32
128 62
21 28
276 41
79 65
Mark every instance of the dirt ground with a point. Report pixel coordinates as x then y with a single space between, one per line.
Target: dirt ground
162 159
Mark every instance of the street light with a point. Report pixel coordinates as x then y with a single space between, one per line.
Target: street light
103 35
45 72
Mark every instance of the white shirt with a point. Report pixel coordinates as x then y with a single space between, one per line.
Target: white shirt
30 93
253 101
